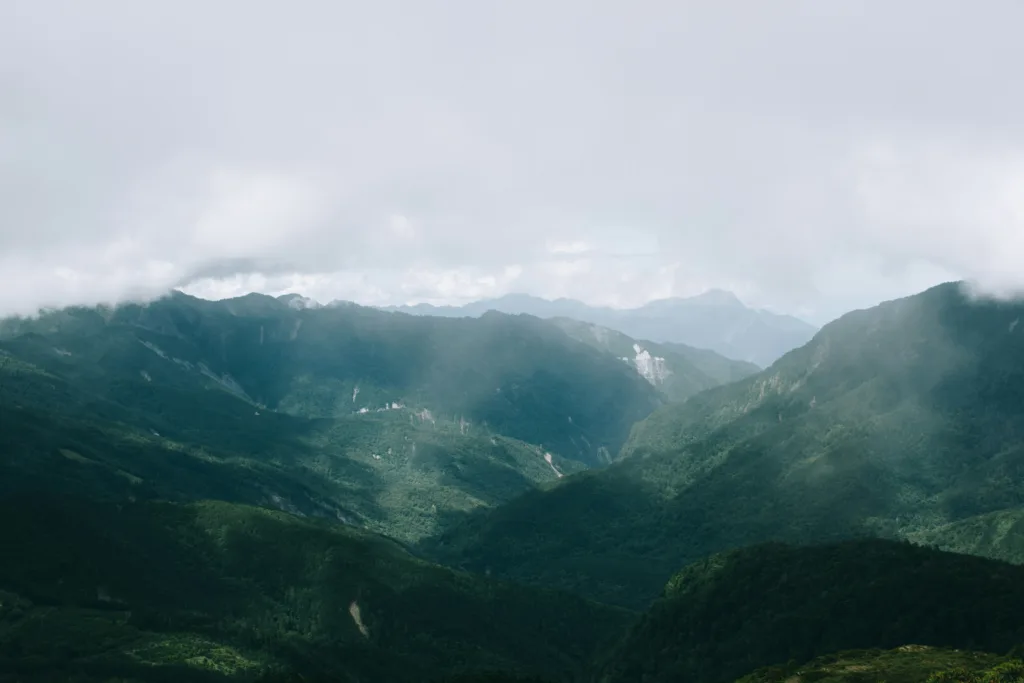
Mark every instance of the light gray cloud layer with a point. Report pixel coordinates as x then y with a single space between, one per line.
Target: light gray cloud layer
812 156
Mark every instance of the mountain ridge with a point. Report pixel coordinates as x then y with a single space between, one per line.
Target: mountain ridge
353 414
715 320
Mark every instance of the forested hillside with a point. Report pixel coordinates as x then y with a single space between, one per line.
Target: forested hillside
391 422
216 592
678 371
517 376
893 421
773 604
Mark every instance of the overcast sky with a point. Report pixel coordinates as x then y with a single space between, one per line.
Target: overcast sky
811 156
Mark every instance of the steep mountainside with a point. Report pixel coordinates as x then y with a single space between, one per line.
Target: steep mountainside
677 370
517 376
772 604
999 535
893 421
187 399
714 320
220 592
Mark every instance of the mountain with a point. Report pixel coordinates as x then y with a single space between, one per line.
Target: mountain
387 421
715 320
772 604
191 490
676 370
212 591
517 375
902 421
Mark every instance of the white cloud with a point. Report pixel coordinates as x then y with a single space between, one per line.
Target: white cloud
812 157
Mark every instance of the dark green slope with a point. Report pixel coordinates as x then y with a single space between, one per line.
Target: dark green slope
770 604
214 591
905 664
999 535
676 370
892 421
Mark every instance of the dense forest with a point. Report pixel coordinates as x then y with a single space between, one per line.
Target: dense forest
768 604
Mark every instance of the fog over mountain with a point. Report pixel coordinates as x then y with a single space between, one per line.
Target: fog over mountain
805 157
715 320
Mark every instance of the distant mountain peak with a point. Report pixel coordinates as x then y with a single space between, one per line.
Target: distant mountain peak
717 297
715 320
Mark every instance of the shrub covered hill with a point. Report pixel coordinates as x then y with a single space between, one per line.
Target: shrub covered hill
905 664
389 421
219 592
226 593
905 421
775 605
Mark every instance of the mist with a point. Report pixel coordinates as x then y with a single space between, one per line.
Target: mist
810 159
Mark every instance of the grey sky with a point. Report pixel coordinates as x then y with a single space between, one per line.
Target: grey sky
811 156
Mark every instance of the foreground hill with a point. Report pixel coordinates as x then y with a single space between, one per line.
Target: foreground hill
894 421
770 604
905 664
220 592
715 320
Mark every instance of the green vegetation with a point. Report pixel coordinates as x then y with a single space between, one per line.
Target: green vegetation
210 591
897 421
906 664
379 471
519 376
772 604
998 535
125 404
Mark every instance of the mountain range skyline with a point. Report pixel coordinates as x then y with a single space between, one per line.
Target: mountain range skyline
260 485
713 295
817 317
715 320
